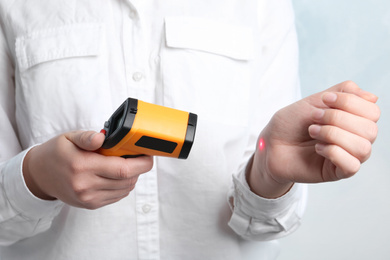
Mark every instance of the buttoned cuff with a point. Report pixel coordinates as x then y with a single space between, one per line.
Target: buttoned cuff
258 218
20 197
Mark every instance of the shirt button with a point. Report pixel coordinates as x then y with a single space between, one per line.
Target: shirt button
132 14
137 76
146 208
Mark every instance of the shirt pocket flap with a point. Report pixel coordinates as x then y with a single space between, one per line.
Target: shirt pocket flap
57 43
216 37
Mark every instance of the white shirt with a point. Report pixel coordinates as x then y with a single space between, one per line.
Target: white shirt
67 65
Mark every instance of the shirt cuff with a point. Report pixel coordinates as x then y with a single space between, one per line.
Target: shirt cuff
20 197
258 218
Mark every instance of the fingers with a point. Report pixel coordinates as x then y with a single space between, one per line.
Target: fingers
90 190
113 185
67 168
98 199
110 167
345 130
95 182
118 168
354 145
352 104
352 88
94 188
357 125
86 140
339 164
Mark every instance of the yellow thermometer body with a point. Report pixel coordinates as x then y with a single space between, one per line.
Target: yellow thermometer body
138 127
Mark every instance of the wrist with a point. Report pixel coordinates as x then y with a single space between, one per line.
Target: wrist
261 181
29 178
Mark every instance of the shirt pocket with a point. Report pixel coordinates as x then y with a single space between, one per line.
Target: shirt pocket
210 64
64 79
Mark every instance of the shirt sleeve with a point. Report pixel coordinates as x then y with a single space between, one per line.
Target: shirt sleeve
253 217
21 213
257 218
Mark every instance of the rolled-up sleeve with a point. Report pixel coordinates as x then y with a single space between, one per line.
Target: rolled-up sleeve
257 218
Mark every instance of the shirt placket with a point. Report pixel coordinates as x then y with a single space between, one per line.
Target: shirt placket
140 85
136 50
147 216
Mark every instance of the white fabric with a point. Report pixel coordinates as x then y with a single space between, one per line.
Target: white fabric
67 65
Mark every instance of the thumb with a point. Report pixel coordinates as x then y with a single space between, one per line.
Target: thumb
352 88
86 140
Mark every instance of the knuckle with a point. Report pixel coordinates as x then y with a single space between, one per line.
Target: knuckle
123 171
365 150
345 101
132 168
350 171
349 86
332 152
335 117
85 199
372 132
149 165
60 142
80 137
79 188
76 166
88 201
84 137
330 134
354 168
376 114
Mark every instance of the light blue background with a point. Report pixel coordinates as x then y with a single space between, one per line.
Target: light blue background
347 40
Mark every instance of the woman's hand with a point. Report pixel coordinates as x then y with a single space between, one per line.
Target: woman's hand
67 168
324 137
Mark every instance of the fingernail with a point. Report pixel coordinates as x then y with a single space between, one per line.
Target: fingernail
318 114
92 136
314 130
329 97
320 147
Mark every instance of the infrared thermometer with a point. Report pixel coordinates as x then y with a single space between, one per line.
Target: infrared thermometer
141 128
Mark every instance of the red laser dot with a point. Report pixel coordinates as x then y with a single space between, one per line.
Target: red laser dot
261 144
